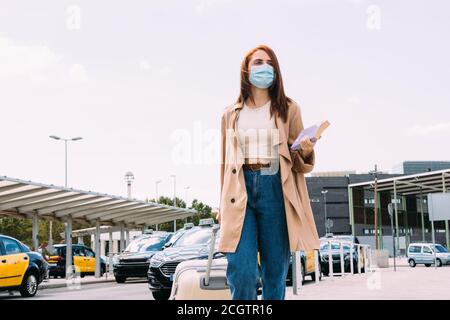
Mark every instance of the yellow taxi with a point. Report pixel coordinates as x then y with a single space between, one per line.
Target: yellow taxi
308 266
20 268
83 259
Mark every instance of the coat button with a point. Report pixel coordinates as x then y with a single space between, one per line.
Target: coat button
232 200
234 170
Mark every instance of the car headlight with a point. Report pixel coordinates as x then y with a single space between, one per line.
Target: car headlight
156 261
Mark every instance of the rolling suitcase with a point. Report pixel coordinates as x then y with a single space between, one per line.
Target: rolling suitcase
202 279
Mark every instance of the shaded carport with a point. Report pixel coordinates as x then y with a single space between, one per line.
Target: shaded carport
27 199
416 185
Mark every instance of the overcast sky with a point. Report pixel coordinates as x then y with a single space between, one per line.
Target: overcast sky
145 83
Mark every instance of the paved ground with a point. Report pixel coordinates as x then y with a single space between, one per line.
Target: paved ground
405 283
132 290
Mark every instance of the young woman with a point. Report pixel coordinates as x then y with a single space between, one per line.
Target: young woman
264 202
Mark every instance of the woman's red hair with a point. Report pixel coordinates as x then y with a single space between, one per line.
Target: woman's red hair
279 100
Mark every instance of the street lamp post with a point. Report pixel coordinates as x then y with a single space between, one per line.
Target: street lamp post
324 192
50 239
174 199
186 188
156 190
157 197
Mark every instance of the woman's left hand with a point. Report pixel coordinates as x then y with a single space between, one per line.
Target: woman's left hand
307 146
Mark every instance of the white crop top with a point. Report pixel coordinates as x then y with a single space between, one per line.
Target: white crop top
256 131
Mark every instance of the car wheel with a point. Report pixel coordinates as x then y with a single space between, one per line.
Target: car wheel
427 265
82 274
29 285
120 279
438 263
161 295
412 263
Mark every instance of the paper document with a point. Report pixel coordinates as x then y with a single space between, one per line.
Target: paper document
314 133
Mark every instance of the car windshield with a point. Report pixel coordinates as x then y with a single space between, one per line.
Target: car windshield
154 243
176 236
334 246
194 237
440 248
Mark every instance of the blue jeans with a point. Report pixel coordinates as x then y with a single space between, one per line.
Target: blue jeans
264 230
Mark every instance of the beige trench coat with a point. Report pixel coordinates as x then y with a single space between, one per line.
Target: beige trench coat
233 195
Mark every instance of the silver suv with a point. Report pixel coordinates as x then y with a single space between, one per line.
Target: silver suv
423 253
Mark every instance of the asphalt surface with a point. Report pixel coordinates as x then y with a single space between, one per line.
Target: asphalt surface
132 290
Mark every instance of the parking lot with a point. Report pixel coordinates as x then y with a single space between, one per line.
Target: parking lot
406 283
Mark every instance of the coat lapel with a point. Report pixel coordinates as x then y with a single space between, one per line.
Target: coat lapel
287 177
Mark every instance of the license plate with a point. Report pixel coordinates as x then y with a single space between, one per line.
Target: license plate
52 264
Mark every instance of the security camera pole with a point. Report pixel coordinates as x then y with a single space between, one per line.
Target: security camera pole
129 177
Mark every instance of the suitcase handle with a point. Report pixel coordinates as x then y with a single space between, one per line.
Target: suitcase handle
215 229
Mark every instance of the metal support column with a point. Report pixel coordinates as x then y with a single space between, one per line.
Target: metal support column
405 221
447 237
97 249
110 252
350 210
68 234
127 238
35 232
422 217
122 238
396 216
380 221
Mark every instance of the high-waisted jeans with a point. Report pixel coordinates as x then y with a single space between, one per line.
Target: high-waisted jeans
264 230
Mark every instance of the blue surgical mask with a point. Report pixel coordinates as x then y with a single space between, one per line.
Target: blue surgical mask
262 76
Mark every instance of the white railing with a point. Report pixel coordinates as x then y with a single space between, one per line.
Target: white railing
363 261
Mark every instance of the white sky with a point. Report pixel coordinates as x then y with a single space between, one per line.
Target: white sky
145 81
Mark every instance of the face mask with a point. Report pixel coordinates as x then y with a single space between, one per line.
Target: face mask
262 76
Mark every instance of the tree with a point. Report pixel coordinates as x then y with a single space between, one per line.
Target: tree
204 211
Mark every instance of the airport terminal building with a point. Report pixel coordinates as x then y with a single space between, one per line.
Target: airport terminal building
329 195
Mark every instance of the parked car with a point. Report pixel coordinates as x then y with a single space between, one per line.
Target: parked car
20 268
191 243
135 259
308 266
424 253
352 241
336 256
83 259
